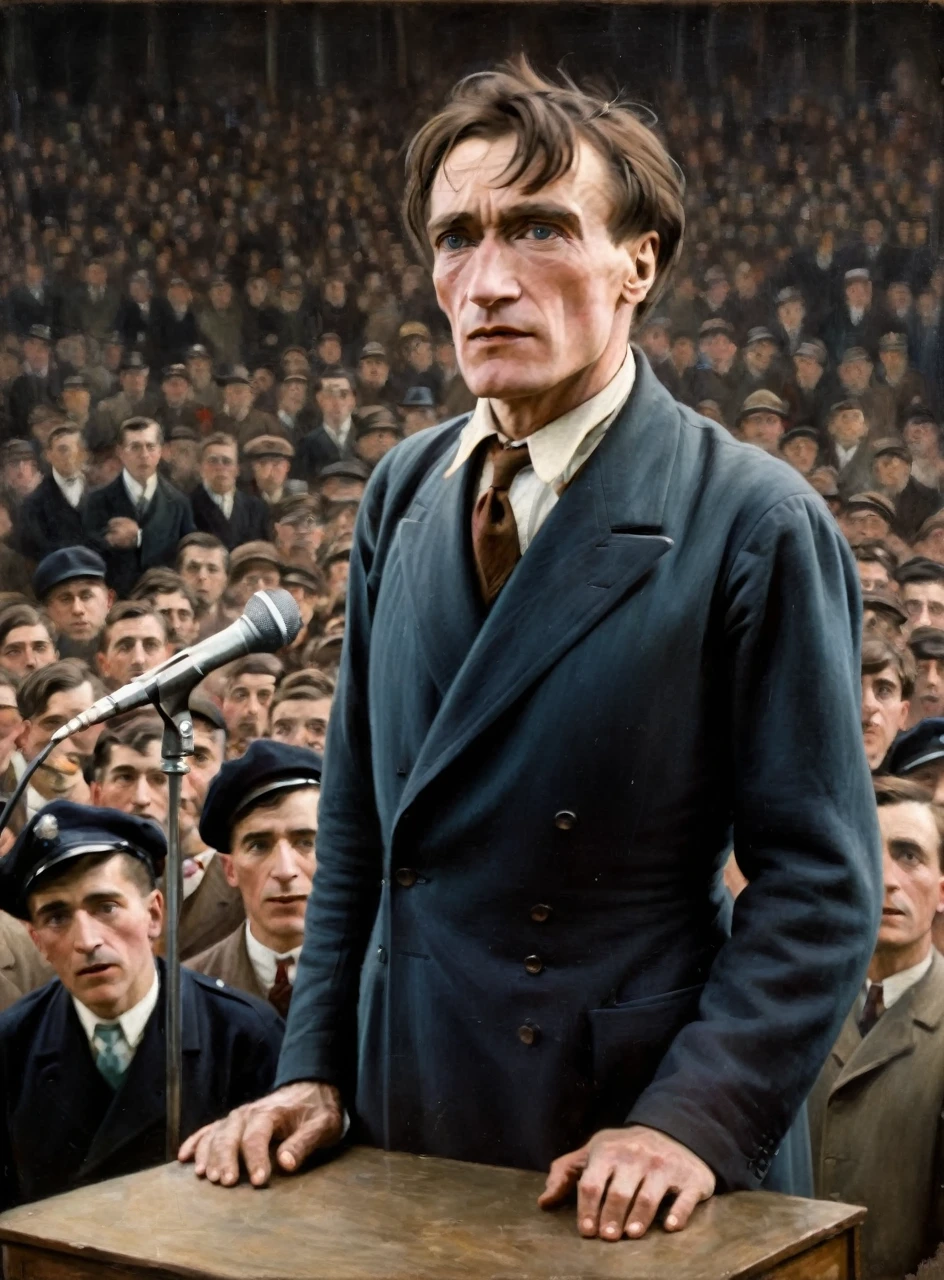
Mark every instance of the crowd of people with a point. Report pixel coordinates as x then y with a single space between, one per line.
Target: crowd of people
212 332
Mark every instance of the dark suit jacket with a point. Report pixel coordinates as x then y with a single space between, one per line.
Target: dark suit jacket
856 476
249 522
26 392
520 784
166 521
211 912
171 337
317 450
47 522
916 503
229 961
62 1126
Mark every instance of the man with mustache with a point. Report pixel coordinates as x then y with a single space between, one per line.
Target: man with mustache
262 815
250 686
82 1059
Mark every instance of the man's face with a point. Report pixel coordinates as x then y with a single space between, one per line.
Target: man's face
374 371
759 356
683 353
335 400
134 383
801 453
329 350
246 710
219 466
262 381
654 340
342 489
863 525
808 370
199 368
178 614
914 886
257 290
78 608
67 455
790 314
270 474
96 275
416 420
295 362
76 402
96 930
132 781
923 602
135 645
272 864
922 439
205 764
894 363
858 294
237 398
221 295
335 292
720 350
179 297
204 571
873 576
899 297
35 352
298 538
140 453
292 396
176 391
534 287
26 649
22 476
848 427
375 444
60 708
928 697
301 722
855 375
763 429
891 472
884 713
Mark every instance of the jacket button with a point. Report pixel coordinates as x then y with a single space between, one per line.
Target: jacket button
406 877
529 1033
565 820
533 964
381 955
541 912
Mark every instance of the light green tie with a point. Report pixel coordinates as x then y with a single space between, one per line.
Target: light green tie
114 1052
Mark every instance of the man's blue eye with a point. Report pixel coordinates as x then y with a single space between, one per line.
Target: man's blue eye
541 232
453 240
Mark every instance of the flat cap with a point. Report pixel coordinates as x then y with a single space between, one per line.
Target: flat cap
813 350
885 602
334 337
800 433
175 371
763 401
413 329
232 373
872 501
852 354
418 398
919 569
132 360
346 469
247 552
63 831
264 770
295 507
293 346
141 277
714 274
177 282
64 565
374 417
760 333
841 406
857 273
893 342
893 445
927 643
715 325
183 432
373 351
75 382
294 377
924 744
40 332
930 525
268 447
296 575
16 450
919 413
197 352
790 294
334 551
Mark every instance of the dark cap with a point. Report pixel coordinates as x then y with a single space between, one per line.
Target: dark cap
183 432
885 602
374 417
800 433
852 354
763 401
296 507
75 382
418 398
175 371
41 332
708 327
296 575
841 406
930 525
813 350
64 565
891 444
872 501
373 351
232 373
927 644
924 744
268 447
334 551
918 413
62 832
265 769
16 451
893 342
760 334
919 569
346 469
247 552
197 352
133 360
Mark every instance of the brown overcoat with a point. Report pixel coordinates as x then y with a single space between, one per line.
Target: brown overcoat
211 912
229 961
22 968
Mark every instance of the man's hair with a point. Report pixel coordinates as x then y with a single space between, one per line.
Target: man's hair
136 733
335 371
218 437
874 551
205 712
161 582
301 690
39 686
891 790
24 615
312 679
124 610
254 664
63 429
136 869
205 542
131 425
877 654
548 121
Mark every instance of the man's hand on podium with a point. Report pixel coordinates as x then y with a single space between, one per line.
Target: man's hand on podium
300 1116
622 1176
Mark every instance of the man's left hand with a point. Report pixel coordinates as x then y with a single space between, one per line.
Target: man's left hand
622 1176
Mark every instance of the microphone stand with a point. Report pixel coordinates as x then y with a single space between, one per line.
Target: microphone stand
177 743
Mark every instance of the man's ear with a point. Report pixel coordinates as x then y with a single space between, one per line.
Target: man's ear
641 276
229 871
155 906
112 597
905 713
37 938
22 734
101 661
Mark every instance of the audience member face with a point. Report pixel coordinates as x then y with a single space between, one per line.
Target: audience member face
295 362
36 354
923 602
102 469
914 885
66 454
683 353
884 713
895 363
272 863
219 467
21 476
200 370
858 294
140 452
182 625
35 735
298 538
26 649
808 371
329 351
132 782
416 420
891 472
134 383
246 709
292 397
375 445
176 391
301 721
848 427
135 645
204 571
335 399
759 356
863 525
801 453
78 608
209 746
97 929
922 439
374 372
791 314
931 777
270 474
873 576
341 489
928 699
763 429
855 375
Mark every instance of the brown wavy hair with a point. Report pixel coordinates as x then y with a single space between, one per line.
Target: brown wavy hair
548 121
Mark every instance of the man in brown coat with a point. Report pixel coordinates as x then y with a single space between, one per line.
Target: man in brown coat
876 1111
22 968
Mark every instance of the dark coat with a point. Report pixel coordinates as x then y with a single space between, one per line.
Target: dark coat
856 476
62 1126
317 450
916 503
171 337
166 521
522 837
26 391
249 522
46 522
25 310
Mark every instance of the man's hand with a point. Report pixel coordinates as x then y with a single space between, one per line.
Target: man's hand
622 1176
302 1116
121 532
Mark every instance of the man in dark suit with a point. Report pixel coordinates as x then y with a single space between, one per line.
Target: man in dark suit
333 440
174 326
33 302
849 450
516 951
82 1060
914 502
218 506
39 383
135 319
136 521
92 308
51 516
859 321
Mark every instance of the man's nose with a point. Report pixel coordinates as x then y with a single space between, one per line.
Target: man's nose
86 934
142 792
491 278
285 864
869 706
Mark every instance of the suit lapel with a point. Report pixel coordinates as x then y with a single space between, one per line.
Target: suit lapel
66 1077
601 538
245 975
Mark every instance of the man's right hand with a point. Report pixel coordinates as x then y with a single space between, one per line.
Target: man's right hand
301 1116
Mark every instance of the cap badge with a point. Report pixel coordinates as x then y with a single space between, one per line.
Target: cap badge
47 828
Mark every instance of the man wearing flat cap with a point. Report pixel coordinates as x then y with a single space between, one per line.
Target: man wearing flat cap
516 951
927 647
174 326
333 440
762 420
763 367
877 401
39 383
82 1060
239 417
373 375
70 585
857 321
268 460
218 506
800 447
914 502
905 383
175 407
918 754
133 400
261 815
867 517
849 450
376 431
720 379
812 389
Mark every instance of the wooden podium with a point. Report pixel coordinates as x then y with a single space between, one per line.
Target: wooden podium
369 1215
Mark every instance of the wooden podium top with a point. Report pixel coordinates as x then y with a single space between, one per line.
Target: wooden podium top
371 1215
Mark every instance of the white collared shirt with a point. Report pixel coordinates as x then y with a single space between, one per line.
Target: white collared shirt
132 1023
265 961
557 450
223 500
137 491
71 488
340 434
897 985
856 314
845 456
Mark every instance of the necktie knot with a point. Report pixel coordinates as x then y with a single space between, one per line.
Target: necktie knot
873 1009
507 461
495 539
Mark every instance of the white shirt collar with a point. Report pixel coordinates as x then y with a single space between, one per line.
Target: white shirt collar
224 501
132 1023
339 434
898 984
135 490
554 447
265 961
71 489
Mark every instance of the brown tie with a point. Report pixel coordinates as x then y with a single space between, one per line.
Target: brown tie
873 1010
280 993
494 529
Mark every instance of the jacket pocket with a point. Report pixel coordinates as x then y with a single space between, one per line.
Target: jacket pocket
628 1042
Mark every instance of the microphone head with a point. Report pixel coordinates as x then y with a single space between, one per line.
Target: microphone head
275 616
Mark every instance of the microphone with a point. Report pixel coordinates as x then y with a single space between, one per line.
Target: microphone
270 621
